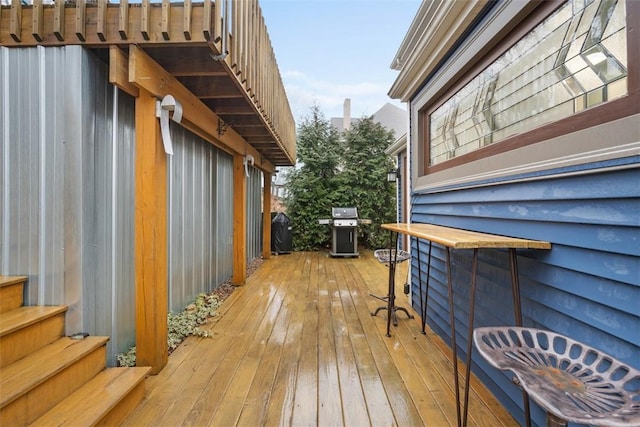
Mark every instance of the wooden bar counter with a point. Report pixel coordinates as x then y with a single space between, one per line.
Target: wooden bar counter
455 238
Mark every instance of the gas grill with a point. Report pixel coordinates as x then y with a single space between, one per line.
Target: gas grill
344 224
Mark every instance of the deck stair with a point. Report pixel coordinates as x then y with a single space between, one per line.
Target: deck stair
47 378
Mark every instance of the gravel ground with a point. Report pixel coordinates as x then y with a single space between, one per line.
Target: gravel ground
224 290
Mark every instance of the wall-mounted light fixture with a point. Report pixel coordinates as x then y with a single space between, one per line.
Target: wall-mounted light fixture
393 175
168 103
248 160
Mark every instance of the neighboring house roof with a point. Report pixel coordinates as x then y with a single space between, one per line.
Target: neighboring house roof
391 117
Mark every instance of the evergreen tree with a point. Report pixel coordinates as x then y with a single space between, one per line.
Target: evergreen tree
364 178
340 172
312 186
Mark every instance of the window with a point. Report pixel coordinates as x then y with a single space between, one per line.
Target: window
573 60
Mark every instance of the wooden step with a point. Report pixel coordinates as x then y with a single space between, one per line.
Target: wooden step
34 384
11 292
105 400
26 329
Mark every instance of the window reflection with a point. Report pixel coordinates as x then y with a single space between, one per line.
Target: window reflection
573 60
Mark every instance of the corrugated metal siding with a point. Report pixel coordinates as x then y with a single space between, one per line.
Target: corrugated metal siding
200 218
67 185
586 287
254 214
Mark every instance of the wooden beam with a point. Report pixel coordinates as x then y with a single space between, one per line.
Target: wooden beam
37 20
144 19
151 253
207 29
81 12
217 24
101 20
165 23
119 71
58 20
239 221
266 215
146 74
186 20
123 19
15 20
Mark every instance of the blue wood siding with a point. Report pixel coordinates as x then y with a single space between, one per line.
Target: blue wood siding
586 287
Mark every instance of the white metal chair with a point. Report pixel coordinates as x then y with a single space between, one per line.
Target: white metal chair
571 381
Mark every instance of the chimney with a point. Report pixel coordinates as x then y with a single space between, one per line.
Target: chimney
346 118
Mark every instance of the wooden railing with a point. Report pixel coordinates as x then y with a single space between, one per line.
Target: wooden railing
250 61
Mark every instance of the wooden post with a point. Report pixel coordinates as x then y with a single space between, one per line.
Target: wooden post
239 221
266 216
151 253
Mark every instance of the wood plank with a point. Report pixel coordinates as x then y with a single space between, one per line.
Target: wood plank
387 353
255 404
151 256
235 395
353 402
165 22
23 317
305 405
186 21
27 329
11 292
47 394
27 373
123 19
378 406
463 239
282 398
97 398
101 20
329 380
15 20
59 19
145 13
207 27
37 21
81 12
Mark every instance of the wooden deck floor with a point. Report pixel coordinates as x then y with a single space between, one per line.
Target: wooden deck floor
297 346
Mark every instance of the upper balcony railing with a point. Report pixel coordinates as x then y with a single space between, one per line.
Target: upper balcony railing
220 51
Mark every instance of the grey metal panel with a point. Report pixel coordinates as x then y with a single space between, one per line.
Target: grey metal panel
199 232
254 214
224 224
33 161
67 188
68 182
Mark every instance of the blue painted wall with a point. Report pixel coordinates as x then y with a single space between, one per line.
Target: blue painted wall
586 287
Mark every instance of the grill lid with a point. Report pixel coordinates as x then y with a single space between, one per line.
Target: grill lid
344 213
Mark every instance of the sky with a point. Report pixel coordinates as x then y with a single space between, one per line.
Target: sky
330 50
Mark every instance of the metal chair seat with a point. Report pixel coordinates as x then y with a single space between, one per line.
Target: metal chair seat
571 381
389 255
